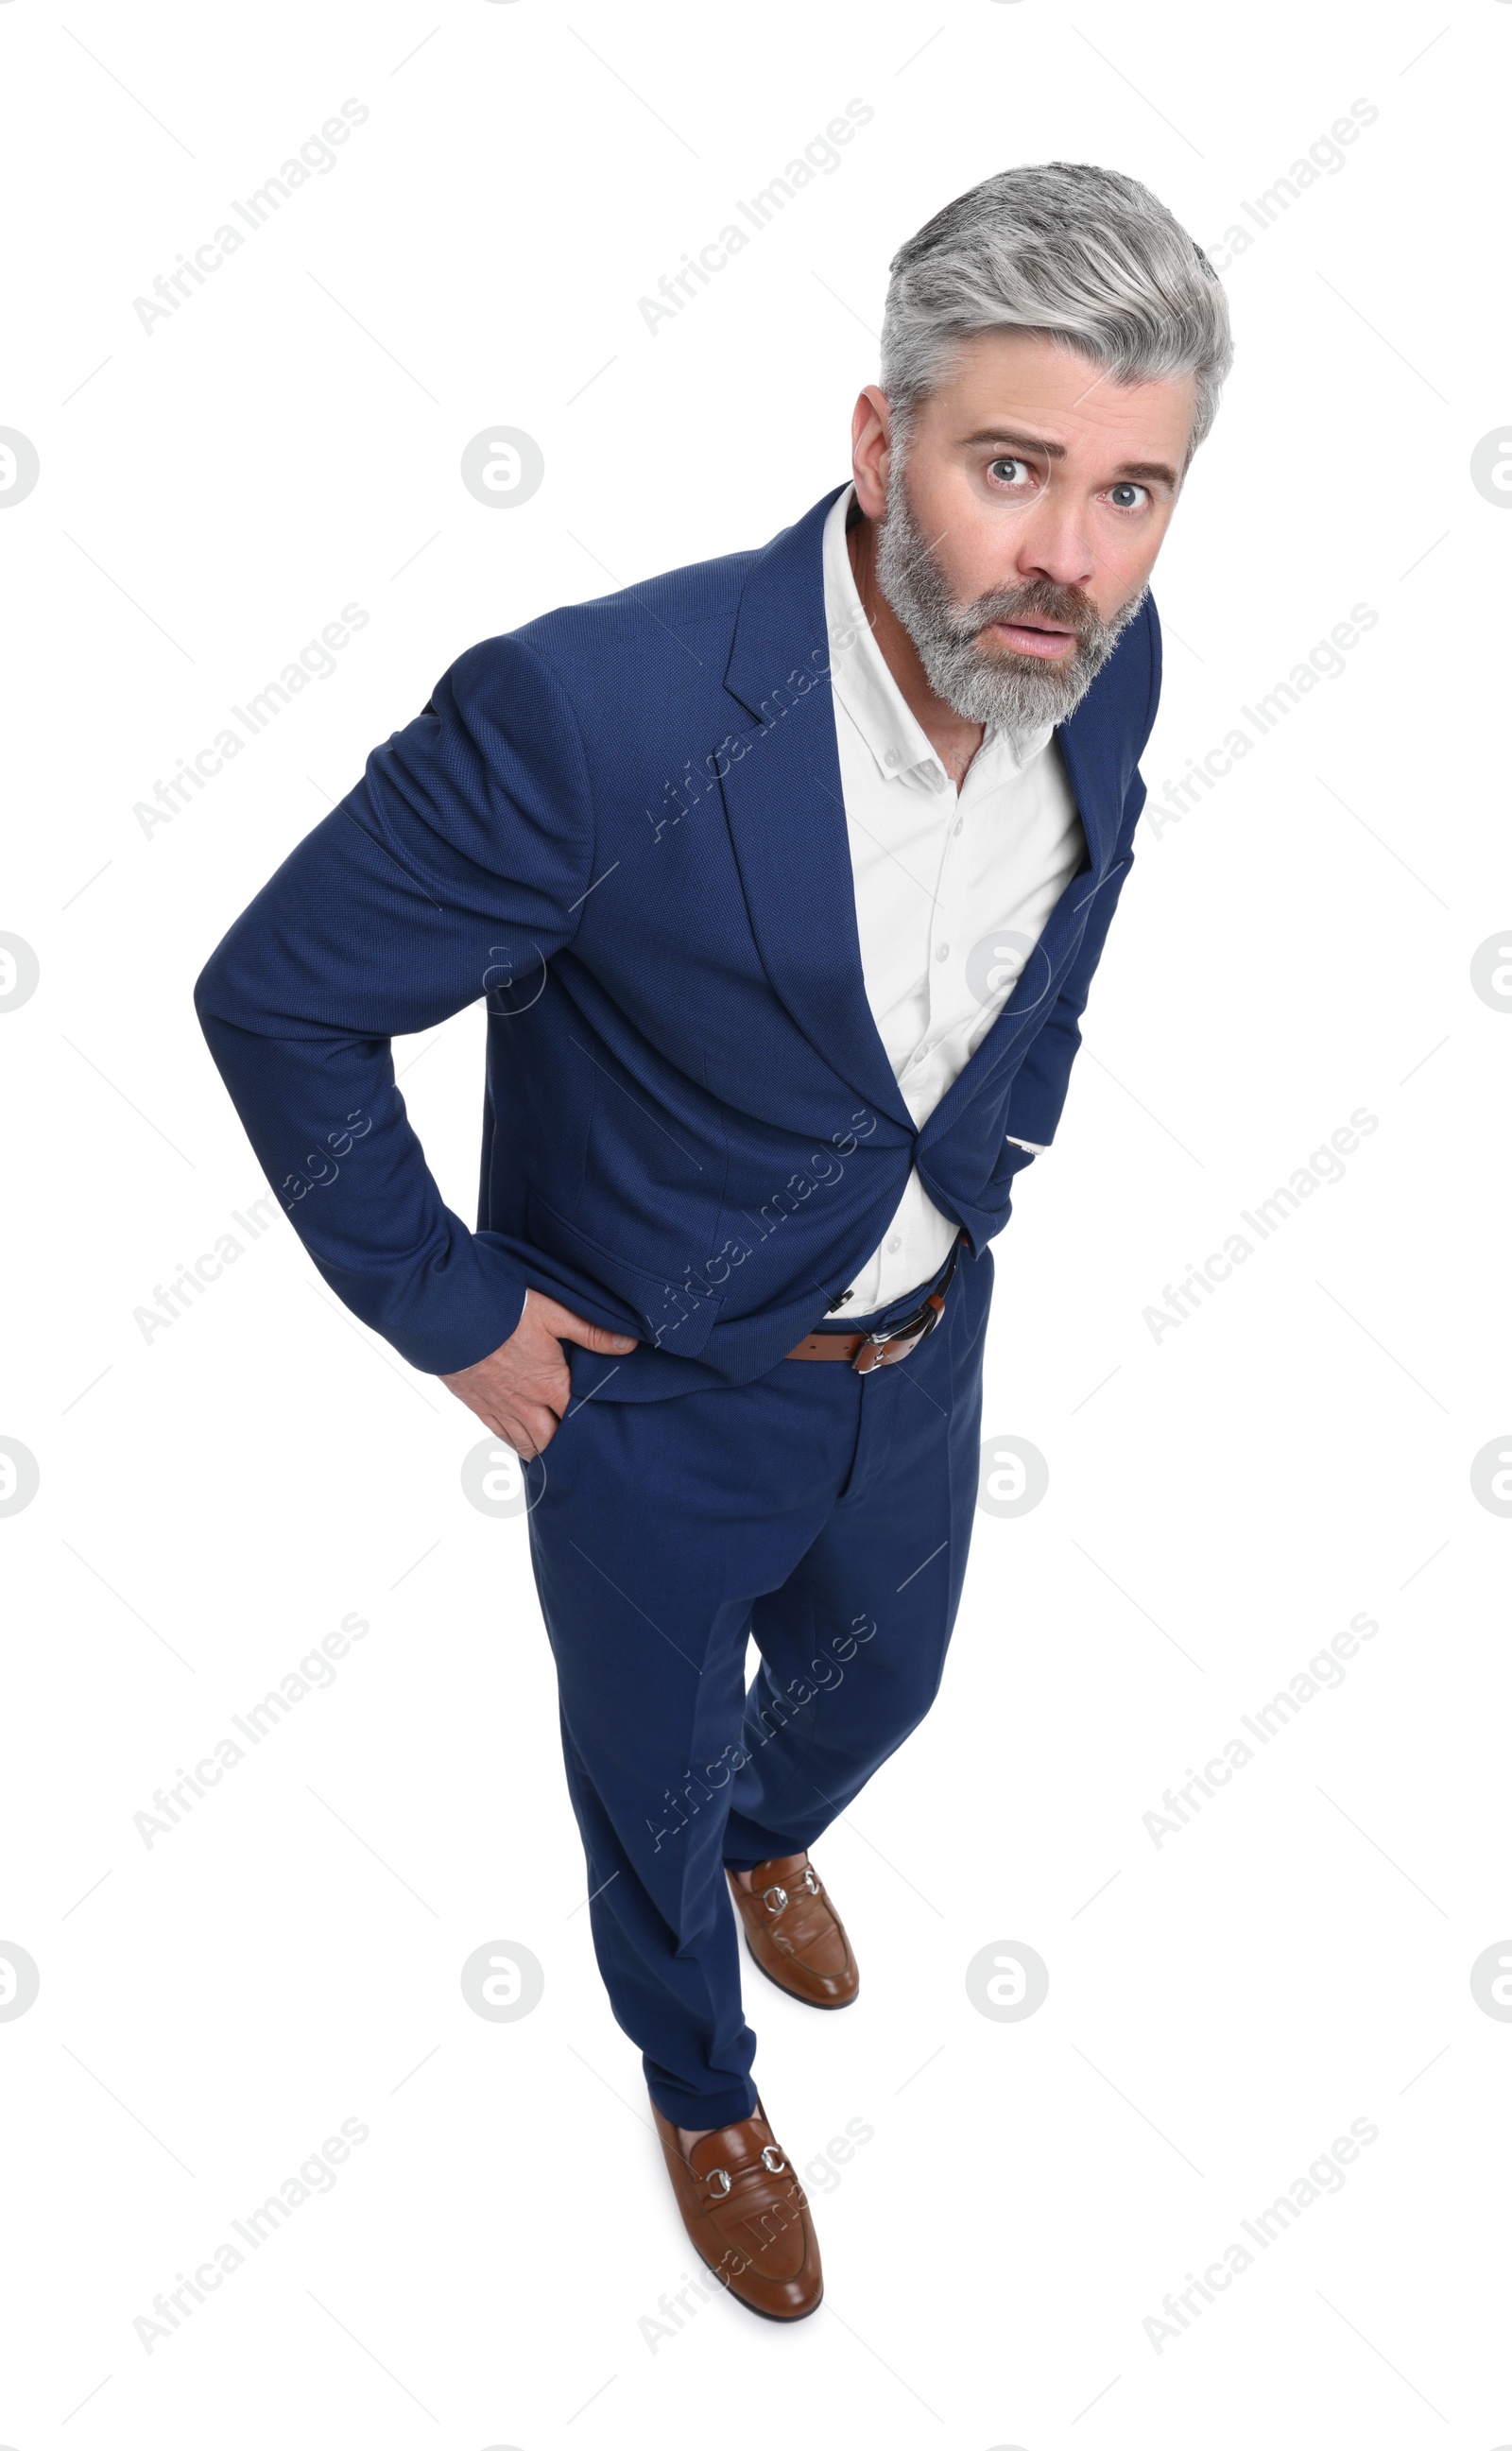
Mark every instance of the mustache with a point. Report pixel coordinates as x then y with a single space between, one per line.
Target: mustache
1040 600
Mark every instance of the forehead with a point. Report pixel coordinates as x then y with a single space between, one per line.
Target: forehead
1030 385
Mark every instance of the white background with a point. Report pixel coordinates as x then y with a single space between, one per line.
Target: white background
1221 1501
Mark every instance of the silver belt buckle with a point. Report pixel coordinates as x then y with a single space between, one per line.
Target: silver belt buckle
919 1326
877 1338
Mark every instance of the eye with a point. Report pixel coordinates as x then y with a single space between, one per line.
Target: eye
1128 496
1015 476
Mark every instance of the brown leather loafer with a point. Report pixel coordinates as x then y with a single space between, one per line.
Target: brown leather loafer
746 2215
794 1934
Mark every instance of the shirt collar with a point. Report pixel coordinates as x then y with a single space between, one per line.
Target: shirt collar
866 688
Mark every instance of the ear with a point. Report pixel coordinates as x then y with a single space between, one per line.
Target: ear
870 447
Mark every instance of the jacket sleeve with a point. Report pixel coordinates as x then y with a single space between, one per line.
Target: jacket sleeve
454 869
1039 1092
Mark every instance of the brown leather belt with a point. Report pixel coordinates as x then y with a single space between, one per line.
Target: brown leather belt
873 1352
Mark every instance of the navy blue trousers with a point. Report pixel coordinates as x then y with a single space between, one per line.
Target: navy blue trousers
828 1514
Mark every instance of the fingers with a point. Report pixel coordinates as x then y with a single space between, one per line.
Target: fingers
529 1430
526 1420
597 1340
503 1383
523 1390
564 1322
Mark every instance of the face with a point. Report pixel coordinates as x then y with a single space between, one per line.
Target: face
1017 528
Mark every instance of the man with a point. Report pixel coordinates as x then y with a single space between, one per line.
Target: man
784 878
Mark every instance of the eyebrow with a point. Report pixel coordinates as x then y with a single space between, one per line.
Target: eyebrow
1143 471
1155 471
1016 442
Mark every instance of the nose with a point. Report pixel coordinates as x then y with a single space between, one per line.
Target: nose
1052 543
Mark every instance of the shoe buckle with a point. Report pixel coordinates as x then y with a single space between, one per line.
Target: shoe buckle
772 2158
774 1899
810 1880
721 2191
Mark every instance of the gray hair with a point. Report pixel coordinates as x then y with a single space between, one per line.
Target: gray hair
1084 255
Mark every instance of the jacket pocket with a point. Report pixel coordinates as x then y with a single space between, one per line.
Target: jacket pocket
677 1319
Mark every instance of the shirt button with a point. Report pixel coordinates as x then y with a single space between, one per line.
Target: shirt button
893 758
942 952
957 826
895 1242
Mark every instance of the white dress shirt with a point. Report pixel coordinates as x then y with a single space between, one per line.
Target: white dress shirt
952 891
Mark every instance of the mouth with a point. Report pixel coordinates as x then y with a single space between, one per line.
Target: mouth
1040 638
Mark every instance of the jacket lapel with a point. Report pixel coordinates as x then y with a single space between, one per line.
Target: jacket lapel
783 798
784 801
1091 746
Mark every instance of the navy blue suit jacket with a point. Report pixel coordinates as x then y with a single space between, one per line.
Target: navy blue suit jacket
622 826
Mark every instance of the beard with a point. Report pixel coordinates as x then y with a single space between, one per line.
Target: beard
990 683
